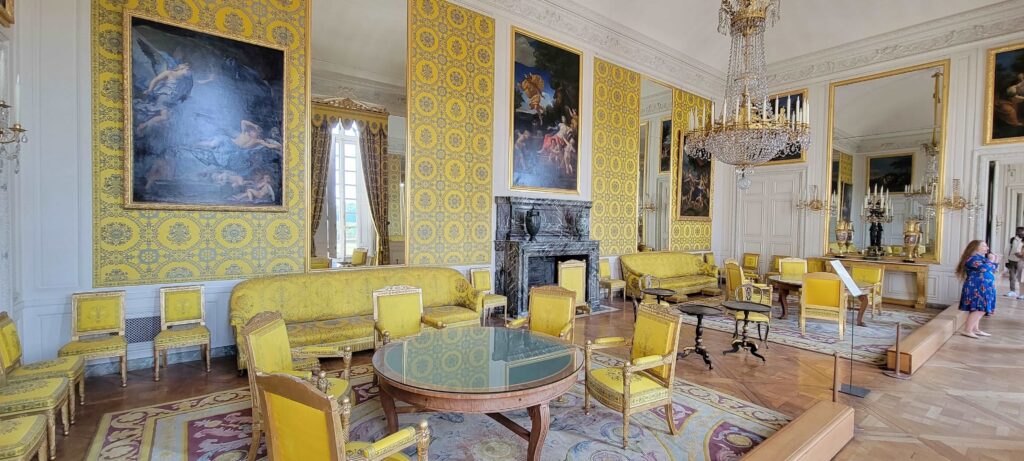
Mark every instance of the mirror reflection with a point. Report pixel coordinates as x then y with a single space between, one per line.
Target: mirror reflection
358 131
887 133
655 160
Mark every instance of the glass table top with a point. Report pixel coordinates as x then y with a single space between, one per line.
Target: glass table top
477 360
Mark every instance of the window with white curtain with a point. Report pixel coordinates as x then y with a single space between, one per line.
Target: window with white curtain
349 221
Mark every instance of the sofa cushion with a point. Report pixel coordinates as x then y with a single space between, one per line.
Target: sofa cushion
451 315
330 331
687 281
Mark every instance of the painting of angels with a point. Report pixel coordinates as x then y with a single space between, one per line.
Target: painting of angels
1005 95
545 115
204 128
694 187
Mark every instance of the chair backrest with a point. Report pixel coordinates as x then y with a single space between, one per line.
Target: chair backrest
750 293
359 257
822 289
182 305
604 269
776 259
656 332
480 277
300 421
792 267
95 313
551 309
267 350
572 275
868 273
10 344
398 310
751 261
815 265
734 278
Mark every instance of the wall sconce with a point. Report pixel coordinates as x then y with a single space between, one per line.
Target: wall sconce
959 203
810 202
10 134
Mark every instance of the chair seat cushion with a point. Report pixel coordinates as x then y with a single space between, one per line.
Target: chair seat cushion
495 300
451 315
107 346
754 317
19 435
70 367
606 385
352 449
613 284
32 395
330 331
182 336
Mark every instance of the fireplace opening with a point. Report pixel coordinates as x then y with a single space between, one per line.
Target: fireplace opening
543 270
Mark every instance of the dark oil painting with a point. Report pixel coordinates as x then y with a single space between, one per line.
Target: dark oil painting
694 186
892 172
206 121
665 147
545 115
1007 74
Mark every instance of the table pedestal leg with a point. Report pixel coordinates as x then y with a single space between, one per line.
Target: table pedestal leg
540 415
743 343
698 346
390 414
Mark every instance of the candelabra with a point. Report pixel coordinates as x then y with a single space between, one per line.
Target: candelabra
810 202
958 202
10 134
877 210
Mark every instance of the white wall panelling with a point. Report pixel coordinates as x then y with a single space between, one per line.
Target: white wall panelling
770 220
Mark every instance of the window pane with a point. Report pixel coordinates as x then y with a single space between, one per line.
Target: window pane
350 177
350 207
350 233
350 191
350 150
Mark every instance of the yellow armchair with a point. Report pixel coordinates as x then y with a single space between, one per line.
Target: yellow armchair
480 277
552 312
572 275
97 329
182 324
738 288
607 282
72 368
873 275
751 266
265 339
774 266
645 380
305 423
823 298
359 257
398 313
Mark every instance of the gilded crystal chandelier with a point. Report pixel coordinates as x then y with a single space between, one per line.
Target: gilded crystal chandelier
746 131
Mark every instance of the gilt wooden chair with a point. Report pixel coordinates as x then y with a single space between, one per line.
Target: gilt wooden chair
823 298
607 282
97 329
552 312
72 368
480 278
572 275
44 397
872 275
24 438
182 324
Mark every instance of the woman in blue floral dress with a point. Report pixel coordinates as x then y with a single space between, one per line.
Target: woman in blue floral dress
977 268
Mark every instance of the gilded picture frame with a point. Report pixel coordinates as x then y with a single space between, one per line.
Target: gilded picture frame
665 140
6 13
1004 95
206 157
898 171
545 114
693 198
793 152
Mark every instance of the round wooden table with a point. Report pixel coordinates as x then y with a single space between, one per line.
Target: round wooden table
478 370
785 285
699 311
746 308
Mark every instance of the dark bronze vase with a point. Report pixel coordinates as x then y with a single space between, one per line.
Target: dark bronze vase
533 223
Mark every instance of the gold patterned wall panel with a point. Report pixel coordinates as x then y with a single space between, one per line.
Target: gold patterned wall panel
451 126
686 235
614 170
845 168
152 246
395 165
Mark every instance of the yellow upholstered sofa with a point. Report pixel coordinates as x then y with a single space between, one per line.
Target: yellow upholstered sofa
683 272
336 307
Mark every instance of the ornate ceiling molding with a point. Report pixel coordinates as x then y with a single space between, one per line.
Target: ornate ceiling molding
624 44
328 85
972 26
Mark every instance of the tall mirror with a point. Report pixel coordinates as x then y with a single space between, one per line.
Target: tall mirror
655 160
885 158
358 131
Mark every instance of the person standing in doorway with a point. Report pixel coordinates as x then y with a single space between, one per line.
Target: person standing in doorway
977 268
1013 263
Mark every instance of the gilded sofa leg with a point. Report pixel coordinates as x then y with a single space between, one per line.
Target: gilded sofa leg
65 422
156 365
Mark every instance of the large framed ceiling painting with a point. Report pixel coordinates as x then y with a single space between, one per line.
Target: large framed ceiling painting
545 115
786 103
693 186
204 125
1004 115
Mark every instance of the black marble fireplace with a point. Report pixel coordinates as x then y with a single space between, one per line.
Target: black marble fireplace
562 233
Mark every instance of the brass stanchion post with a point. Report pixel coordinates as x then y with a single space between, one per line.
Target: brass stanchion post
898 372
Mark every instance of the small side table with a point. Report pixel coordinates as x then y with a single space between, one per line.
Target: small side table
699 311
659 293
746 308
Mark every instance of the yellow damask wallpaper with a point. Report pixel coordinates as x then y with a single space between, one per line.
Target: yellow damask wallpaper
686 235
614 174
151 246
395 165
451 123
845 167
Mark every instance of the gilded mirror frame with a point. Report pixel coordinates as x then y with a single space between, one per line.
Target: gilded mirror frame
933 258
307 151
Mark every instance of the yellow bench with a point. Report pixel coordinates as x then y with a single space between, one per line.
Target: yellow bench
336 307
683 272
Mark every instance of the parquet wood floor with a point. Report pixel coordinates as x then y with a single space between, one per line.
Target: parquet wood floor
966 403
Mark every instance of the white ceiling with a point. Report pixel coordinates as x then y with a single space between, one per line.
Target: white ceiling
365 39
690 27
895 106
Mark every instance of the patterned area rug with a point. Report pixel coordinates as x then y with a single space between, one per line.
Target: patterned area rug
869 343
215 427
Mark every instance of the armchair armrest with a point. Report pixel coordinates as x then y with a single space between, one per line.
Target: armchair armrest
648 362
395 443
610 341
565 330
517 323
434 323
